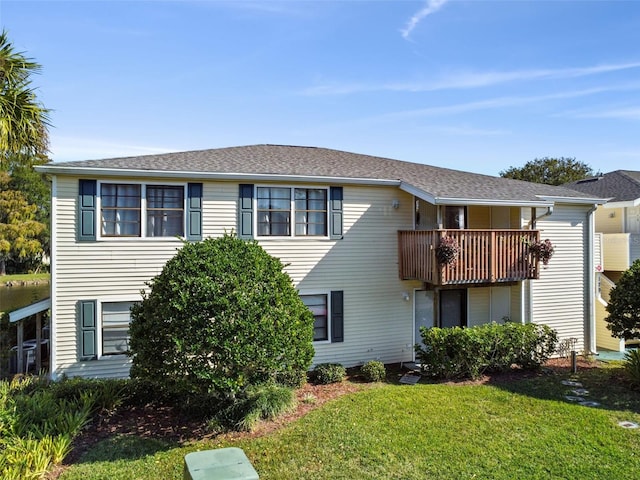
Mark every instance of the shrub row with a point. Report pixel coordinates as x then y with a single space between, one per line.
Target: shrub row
471 352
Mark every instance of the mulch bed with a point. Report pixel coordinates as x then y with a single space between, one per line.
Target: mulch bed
166 423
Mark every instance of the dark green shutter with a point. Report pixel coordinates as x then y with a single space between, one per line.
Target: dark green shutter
337 316
335 213
194 211
87 325
86 222
245 211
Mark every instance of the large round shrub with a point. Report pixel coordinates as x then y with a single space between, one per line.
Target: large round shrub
624 305
222 315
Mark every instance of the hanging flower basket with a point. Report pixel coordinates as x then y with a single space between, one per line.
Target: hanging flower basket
542 250
447 251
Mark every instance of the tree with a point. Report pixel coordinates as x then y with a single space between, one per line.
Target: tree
624 305
23 120
552 171
19 229
220 317
36 189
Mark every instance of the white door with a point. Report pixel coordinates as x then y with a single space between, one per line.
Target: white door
633 220
422 313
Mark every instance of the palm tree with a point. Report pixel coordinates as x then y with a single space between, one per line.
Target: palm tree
23 120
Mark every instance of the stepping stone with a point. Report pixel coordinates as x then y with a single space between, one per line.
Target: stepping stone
580 392
571 383
571 398
410 379
627 424
589 404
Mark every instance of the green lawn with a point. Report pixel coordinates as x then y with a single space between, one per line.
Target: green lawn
524 429
25 277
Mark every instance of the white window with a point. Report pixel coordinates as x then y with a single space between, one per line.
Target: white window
319 306
279 207
134 210
116 317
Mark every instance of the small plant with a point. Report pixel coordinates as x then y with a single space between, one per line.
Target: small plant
325 373
632 366
309 398
447 251
373 371
542 250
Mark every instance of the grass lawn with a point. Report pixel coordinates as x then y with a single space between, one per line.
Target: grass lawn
25 277
520 429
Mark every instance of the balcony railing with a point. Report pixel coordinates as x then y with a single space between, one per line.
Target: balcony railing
485 256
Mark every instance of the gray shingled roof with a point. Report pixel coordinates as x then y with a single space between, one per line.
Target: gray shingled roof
620 185
322 162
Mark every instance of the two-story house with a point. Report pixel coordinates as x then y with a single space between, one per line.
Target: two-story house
358 235
618 222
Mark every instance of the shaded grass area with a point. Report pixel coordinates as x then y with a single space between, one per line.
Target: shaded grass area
515 429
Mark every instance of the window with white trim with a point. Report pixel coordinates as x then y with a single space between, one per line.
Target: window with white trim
135 210
116 317
277 206
319 306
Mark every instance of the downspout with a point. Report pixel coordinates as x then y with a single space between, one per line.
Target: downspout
532 223
590 282
531 226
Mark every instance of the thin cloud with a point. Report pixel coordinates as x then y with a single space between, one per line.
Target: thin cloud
492 103
71 148
431 7
625 113
466 80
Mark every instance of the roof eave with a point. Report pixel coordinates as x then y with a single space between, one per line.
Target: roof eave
471 201
255 177
623 204
575 200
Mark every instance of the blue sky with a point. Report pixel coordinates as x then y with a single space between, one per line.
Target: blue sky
474 85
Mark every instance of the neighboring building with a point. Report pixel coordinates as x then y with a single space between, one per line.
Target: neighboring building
619 223
357 233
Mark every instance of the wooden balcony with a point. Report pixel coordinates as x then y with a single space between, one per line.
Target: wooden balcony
485 257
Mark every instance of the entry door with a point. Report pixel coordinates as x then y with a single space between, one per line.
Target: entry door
453 308
633 219
422 313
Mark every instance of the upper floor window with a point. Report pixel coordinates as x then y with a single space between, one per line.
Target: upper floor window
121 210
165 211
276 206
123 207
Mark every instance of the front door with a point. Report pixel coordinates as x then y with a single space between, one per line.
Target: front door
453 308
422 313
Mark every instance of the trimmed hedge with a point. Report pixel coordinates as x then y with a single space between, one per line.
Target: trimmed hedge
471 352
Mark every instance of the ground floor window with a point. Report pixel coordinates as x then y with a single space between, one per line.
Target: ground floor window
318 304
116 317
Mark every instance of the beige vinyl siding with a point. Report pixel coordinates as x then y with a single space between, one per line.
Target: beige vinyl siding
598 257
478 306
478 217
559 297
114 269
616 252
516 302
488 304
604 340
377 320
609 220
